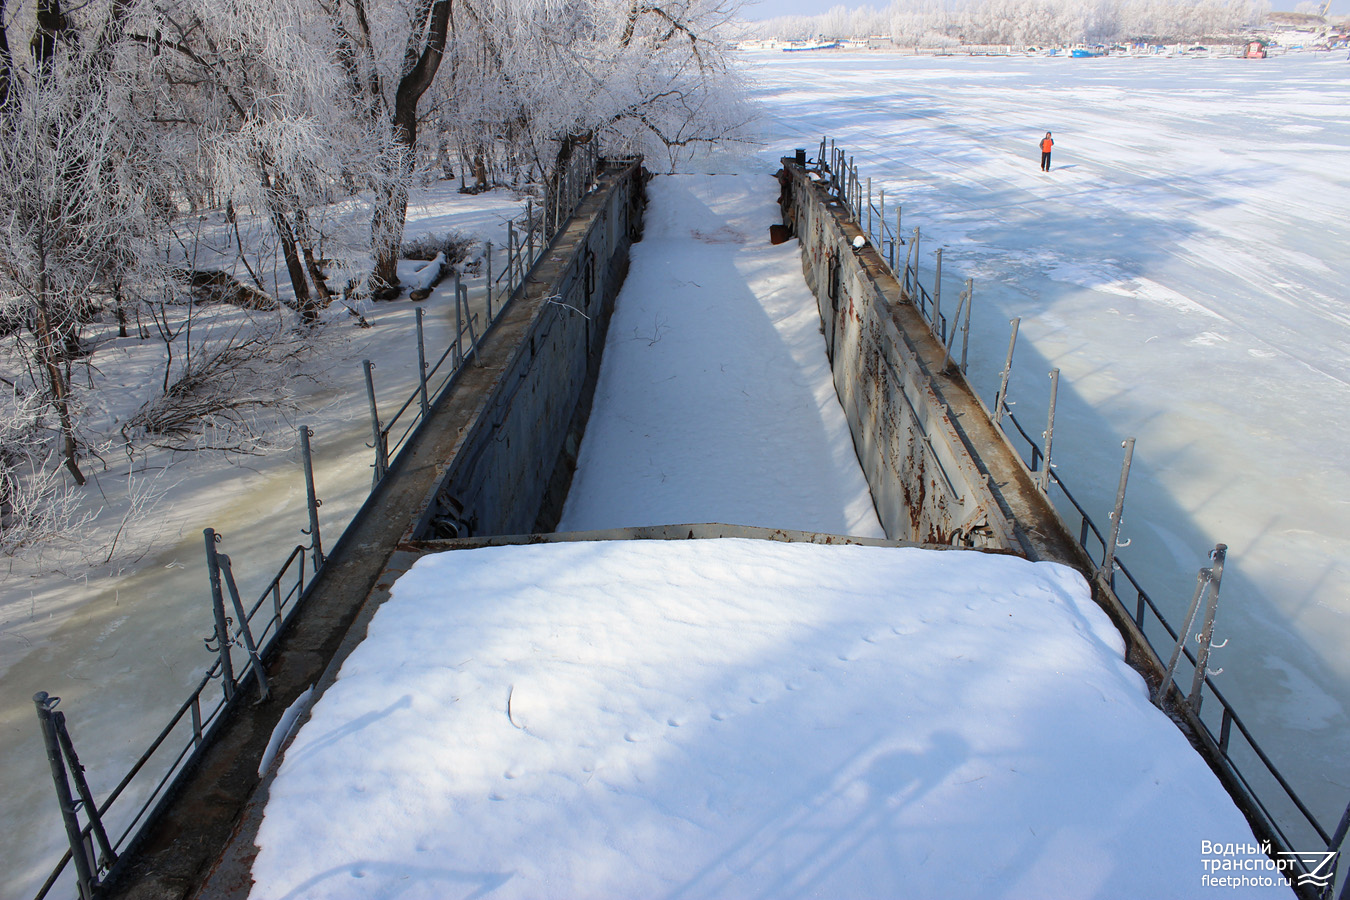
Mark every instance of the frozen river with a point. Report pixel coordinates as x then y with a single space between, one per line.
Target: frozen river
1184 265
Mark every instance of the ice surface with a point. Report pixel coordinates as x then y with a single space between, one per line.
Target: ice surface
739 719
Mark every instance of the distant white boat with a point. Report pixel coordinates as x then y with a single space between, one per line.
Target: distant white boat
797 48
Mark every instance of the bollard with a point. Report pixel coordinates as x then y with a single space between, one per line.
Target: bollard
1108 569
422 364
84 875
311 498
218 611
1049 432
1207 630
381 451
965 324
1182 635
1001 399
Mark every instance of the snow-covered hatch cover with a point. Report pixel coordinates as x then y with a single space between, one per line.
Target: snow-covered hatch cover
738 718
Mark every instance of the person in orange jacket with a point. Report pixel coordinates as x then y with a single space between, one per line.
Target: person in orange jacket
1046 143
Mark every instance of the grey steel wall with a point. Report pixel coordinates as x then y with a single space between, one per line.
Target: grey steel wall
924 482
518 452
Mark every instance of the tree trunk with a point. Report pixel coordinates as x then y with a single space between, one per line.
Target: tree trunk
392 207
51 24
480 173
6 61
50 360
121 307
303 302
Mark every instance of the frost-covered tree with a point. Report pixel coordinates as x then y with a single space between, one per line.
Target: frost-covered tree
260 91
389 52
935 22
537 79
73 223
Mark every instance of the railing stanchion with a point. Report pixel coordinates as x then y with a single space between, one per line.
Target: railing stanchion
312 502
381 451
196 720
488 284
1049 432
939 326
218 611
459 327
853 188
529 233
918 289
84 876
1207 629
965 323
881 218
869 209
1108 569
106 856
422 363
947 360
1001 399
462 296
1183 635
244 630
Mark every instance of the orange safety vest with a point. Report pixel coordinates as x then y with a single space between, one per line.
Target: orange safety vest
1046 144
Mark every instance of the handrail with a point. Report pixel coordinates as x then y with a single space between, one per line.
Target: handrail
1222 741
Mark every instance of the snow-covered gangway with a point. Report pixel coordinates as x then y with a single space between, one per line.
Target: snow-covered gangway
728 717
